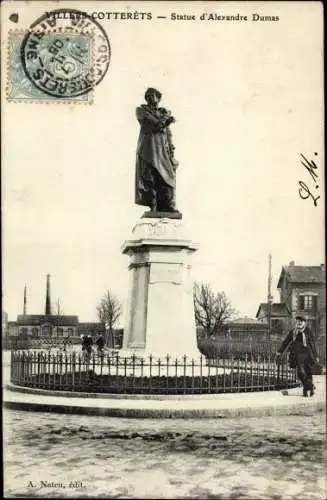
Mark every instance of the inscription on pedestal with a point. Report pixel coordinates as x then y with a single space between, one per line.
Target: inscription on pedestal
161 273
163 227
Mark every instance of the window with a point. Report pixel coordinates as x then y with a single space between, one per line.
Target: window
307 302
70 331
35 332
60 331
277 325
24 333
46 331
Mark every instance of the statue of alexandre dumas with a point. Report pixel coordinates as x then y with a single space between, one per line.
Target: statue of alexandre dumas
155 176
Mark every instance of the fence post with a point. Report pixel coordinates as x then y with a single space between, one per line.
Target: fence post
193 388
142 371
23 366
245 371
73 367
49 369
150 372
54 371
12 361
232 373
278 375
125 374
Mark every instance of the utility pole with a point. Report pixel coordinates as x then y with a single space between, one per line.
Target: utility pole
25 301
269 297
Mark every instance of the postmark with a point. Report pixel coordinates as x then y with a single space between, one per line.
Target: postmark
64 55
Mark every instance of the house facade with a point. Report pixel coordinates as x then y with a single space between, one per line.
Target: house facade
302 291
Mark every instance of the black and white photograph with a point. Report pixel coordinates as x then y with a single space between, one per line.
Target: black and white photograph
163 250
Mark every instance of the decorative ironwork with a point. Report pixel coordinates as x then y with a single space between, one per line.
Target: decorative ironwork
106 373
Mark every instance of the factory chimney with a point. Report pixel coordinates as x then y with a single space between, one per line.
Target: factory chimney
48 298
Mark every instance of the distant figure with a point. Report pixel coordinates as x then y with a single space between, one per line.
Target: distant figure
302 353
84 343
100 343
89 344
155 180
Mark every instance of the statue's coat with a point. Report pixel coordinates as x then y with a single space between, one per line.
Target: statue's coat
152 151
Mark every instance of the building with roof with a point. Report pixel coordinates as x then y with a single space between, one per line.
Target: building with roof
302 291
29 327
279 317
45 326
32 326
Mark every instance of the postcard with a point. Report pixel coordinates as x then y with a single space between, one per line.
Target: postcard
163 249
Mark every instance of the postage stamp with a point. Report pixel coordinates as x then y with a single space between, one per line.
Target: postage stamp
20 88
61 57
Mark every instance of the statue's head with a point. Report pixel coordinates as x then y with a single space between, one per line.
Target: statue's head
152 96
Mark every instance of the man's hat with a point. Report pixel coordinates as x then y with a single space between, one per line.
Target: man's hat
301 318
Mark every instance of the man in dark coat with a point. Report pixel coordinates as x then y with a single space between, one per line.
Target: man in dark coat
302 353
100 343
155 179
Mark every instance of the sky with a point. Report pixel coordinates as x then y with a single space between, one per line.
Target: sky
248 100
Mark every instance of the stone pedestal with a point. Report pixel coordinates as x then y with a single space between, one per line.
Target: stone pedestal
160 314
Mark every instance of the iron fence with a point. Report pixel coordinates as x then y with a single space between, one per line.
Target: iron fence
114 374
214 348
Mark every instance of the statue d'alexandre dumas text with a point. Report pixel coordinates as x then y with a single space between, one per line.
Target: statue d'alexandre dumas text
155 177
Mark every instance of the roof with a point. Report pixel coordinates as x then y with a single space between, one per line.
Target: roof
302 274
40 319
85 328
277 309
245 320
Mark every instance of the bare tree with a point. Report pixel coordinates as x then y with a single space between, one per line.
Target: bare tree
58 309
109 310
212 310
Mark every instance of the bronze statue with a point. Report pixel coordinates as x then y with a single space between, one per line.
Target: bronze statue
155 179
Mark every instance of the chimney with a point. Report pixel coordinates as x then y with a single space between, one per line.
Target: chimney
48 298
25 302
292 263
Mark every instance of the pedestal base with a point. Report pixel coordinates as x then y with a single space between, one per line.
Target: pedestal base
162 215
160 313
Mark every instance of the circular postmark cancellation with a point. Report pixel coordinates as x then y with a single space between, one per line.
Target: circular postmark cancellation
65 53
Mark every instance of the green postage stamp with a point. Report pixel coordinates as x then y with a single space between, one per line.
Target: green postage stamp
55 63
61 57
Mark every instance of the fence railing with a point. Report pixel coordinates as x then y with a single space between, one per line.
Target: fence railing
241 348
114 374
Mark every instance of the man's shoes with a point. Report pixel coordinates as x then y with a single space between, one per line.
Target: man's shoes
305 393
312 391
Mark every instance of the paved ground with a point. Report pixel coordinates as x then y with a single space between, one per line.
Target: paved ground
257 458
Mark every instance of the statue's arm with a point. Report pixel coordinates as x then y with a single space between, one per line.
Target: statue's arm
148 119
